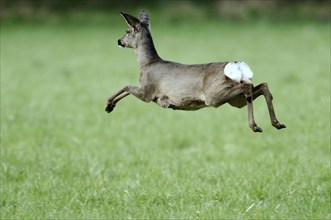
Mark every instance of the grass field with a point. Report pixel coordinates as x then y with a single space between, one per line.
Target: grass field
63 157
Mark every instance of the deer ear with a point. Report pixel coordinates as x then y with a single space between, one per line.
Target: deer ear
130 20
144 18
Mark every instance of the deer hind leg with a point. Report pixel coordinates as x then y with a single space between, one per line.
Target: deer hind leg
248 92
263 89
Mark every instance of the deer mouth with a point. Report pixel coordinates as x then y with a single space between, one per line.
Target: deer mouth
120 44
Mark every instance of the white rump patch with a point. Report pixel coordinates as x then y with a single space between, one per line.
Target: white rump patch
238 71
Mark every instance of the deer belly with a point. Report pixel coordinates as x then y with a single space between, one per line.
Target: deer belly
185 103
188 105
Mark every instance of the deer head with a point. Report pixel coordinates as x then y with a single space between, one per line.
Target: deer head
137 31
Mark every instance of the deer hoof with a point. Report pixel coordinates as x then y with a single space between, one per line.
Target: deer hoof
109 108
279 125
257 129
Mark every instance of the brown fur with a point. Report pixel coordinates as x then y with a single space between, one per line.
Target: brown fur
184 87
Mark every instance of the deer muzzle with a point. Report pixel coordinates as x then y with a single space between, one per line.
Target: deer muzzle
120 43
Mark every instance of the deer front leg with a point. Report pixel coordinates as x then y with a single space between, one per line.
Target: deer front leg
112 103
138 92
112 100
249 99
263 89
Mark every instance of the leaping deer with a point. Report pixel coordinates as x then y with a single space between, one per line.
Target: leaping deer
188 87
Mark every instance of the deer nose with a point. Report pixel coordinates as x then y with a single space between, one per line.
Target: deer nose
119 42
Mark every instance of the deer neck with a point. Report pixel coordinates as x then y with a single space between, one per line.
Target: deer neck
146 52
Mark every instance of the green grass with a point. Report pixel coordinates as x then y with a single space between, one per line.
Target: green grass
63 157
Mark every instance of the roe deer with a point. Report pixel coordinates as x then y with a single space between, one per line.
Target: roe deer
188 87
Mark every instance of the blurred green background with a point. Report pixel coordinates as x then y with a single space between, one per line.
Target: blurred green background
63 157
236 10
